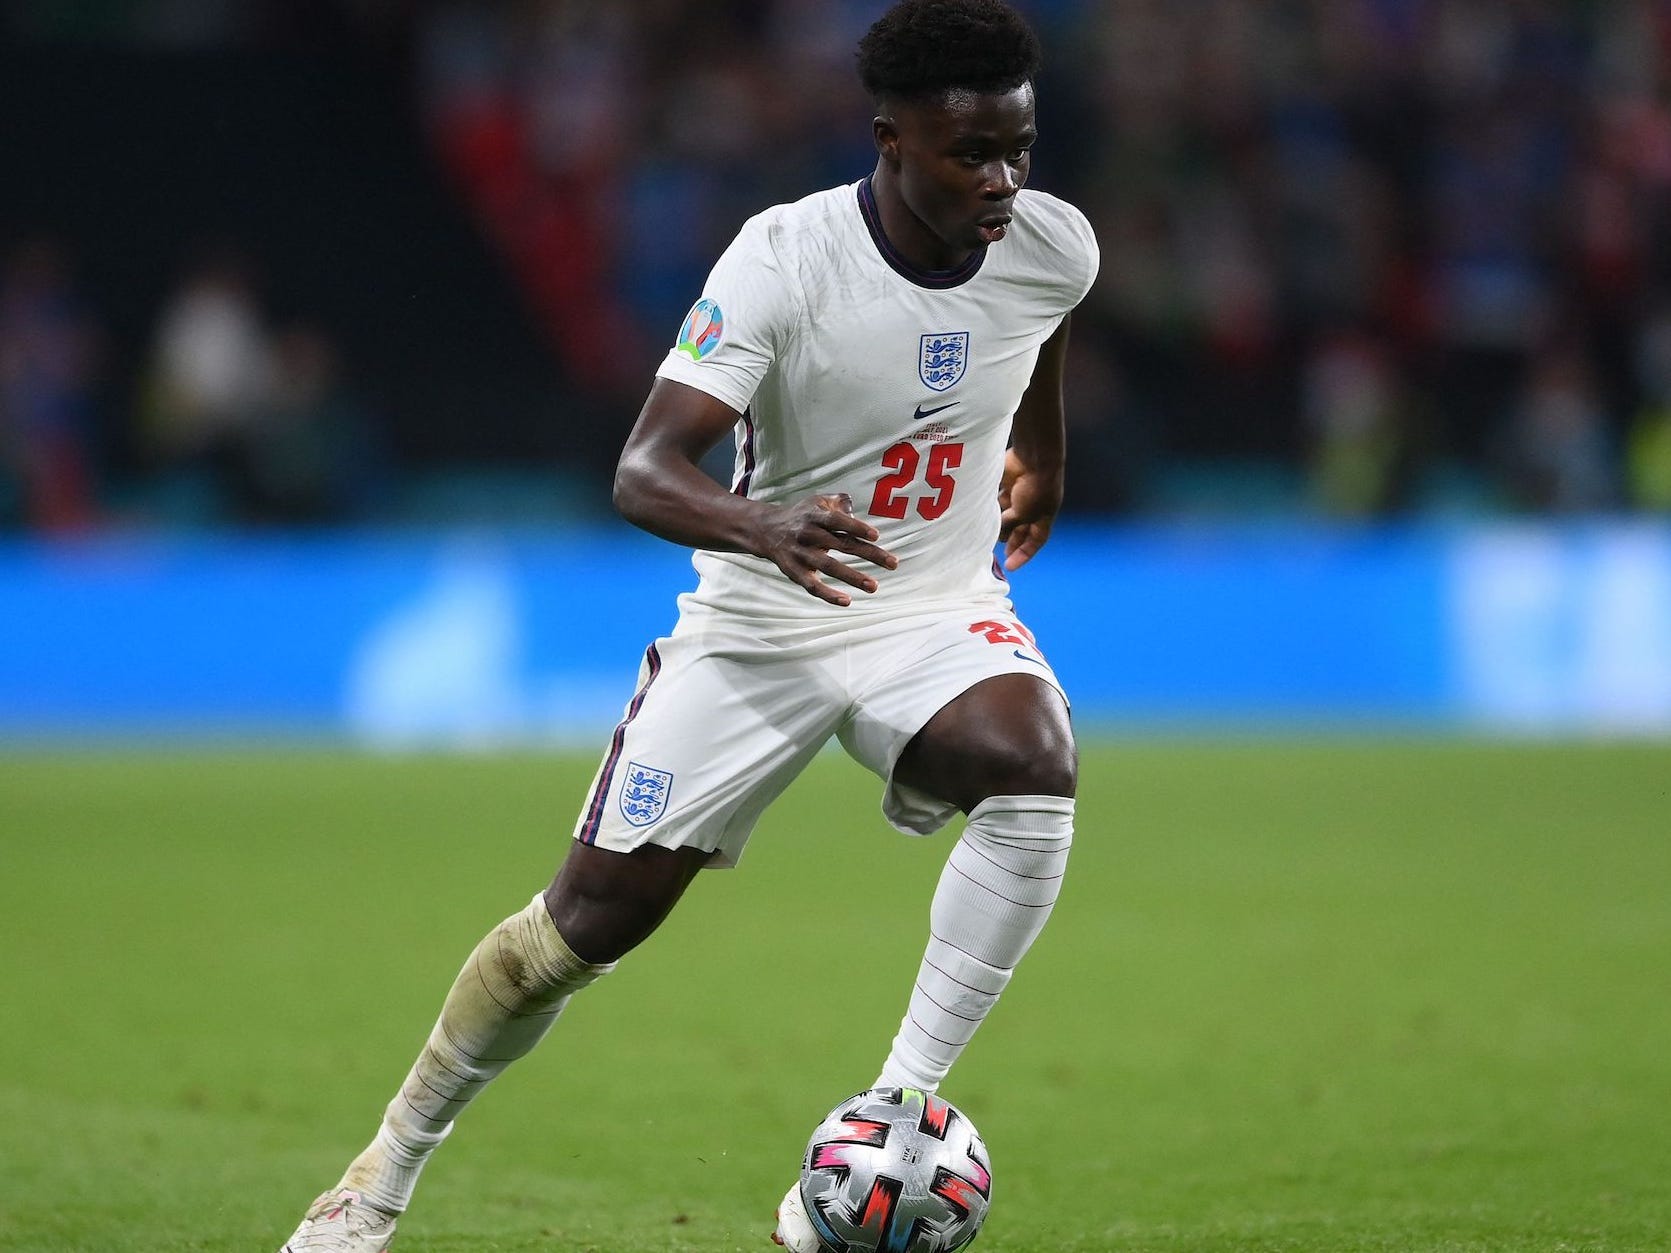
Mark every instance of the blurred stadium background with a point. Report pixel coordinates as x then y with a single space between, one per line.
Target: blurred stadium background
321 325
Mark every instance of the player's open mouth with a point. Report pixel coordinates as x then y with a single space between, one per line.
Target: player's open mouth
993 229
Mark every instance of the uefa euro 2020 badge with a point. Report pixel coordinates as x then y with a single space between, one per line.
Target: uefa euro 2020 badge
644 794
700 334
942 358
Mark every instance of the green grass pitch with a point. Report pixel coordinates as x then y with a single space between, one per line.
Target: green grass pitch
1373 995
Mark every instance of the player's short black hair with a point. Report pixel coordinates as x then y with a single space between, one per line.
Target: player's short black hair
921 48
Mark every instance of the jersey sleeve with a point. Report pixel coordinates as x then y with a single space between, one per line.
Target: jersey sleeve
1067 252
747 311
1080 247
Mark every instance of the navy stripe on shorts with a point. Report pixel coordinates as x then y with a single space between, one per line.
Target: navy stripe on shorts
594 809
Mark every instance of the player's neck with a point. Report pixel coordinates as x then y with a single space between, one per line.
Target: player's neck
906 232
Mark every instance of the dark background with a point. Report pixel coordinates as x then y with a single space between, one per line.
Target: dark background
1365 258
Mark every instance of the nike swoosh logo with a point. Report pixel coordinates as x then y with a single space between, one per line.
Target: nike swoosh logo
922 413
1025 657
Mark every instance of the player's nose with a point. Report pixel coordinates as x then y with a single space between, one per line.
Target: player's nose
1000 182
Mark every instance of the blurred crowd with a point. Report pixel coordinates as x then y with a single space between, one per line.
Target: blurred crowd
1360 257
235 418
1385 255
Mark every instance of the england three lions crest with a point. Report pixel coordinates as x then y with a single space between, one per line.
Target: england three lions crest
644 794
943 357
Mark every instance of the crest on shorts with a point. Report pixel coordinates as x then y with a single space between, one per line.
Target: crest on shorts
644 794
942 358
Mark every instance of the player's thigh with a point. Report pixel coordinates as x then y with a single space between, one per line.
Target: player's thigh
970 709
717 728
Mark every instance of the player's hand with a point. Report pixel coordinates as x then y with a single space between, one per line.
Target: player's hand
1029 500
802 540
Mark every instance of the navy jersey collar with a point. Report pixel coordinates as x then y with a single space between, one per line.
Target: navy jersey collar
937 280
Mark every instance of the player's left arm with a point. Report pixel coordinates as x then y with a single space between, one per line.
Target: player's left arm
1031 492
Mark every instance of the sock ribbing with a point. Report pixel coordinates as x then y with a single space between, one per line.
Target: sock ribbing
995 893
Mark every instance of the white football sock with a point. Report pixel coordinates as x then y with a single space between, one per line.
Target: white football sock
991 903
503 1002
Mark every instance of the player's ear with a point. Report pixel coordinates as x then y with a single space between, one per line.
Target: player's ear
885 133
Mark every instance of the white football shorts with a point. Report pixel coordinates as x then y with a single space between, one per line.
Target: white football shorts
728 710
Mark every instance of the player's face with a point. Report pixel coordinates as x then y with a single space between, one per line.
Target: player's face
961 158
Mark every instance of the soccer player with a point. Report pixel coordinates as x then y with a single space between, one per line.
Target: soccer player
888 356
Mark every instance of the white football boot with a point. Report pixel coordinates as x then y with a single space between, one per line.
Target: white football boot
794 1229
341 1221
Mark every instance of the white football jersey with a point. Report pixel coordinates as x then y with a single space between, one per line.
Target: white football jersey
856 372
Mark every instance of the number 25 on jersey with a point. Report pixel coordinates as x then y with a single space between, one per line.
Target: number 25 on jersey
902 461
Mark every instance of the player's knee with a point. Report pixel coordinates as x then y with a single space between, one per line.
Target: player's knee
1027 767
599 928
1003 766
1053 776
605 904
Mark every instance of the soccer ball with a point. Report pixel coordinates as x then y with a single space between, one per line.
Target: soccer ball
895 1170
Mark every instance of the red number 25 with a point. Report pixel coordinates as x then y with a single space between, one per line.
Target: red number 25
903 459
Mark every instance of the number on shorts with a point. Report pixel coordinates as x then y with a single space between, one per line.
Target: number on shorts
1003 632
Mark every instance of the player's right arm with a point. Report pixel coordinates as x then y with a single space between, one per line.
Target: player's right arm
660 486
